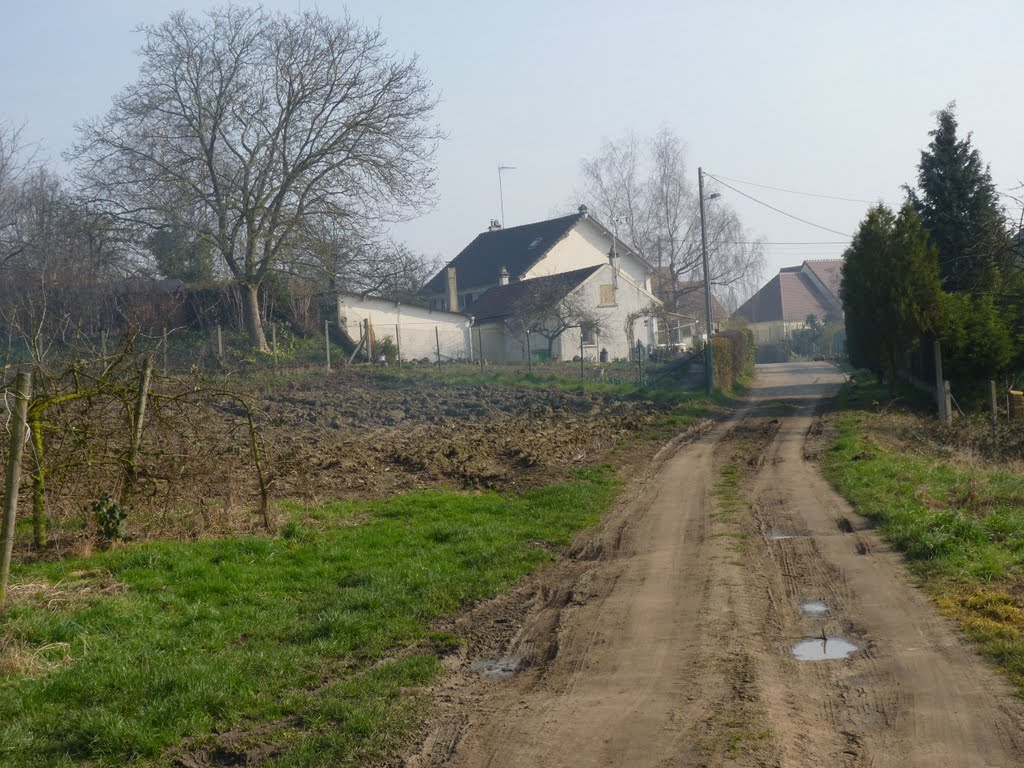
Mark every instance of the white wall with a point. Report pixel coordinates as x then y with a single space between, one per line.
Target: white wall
412 327
629 298
587 245
503 343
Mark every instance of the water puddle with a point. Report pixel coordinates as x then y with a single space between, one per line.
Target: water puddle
820 649
495 669
814 608
779 534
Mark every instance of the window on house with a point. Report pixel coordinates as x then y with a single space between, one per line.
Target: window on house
589 335
607 295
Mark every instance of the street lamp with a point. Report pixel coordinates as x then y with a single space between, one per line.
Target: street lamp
709 376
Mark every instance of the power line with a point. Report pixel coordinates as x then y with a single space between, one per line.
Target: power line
796 192
785 242
777 210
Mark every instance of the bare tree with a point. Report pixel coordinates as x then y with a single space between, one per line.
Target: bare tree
244 125
548 308
357 260
61 257
16 161
643 190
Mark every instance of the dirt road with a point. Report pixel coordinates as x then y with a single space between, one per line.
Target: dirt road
669 641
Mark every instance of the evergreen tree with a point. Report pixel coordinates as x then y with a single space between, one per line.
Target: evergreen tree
891 290
956 202
177 255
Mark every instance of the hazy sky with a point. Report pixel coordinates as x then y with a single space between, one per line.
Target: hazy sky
826 98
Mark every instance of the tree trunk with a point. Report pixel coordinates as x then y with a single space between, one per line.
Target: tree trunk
251 312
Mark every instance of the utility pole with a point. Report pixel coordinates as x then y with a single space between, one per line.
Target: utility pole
709 376
501 191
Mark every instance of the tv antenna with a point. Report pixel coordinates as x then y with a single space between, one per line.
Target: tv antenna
501 192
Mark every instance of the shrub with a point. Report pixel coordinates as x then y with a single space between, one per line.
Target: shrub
732 356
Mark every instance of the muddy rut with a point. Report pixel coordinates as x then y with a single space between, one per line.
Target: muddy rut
668 638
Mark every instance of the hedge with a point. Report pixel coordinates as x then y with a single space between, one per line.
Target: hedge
732 356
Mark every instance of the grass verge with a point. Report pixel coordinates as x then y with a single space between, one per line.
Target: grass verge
960 527
309 646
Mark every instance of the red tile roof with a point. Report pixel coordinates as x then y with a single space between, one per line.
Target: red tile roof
792 294
829 272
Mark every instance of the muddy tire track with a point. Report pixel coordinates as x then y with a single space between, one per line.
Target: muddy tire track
667 639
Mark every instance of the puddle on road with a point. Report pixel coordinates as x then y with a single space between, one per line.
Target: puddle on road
818 649
814 608
495 669
779 534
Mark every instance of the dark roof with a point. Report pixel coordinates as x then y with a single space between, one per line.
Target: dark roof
788 297
515 248
685 296
503 300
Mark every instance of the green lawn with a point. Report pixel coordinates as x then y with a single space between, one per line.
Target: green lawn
324 632
961 528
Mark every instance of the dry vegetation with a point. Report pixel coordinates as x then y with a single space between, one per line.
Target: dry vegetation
349 435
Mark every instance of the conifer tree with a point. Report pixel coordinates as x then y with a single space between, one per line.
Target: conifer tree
956 201
891 290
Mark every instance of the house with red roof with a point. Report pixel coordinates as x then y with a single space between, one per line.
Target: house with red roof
788 299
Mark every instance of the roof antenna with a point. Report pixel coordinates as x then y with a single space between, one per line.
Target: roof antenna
501 192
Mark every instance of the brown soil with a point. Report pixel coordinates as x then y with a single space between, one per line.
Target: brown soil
353 436
350 435
667 640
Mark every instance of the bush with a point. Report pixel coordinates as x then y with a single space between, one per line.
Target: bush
732 356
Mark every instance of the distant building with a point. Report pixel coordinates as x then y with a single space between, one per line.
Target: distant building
785 302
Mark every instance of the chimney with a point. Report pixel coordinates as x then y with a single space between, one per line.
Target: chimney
583 210
503 276
495 226
453 292
613 260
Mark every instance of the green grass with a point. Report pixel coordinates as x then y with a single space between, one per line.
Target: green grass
961 529
323 630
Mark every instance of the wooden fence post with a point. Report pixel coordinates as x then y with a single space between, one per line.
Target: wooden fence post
398 345
992 402
22 393
220 343
480 347
165 351
327 342
273 340
940 392
437 339
947 403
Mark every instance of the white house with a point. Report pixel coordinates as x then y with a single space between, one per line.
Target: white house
571 259
540 249
418 332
